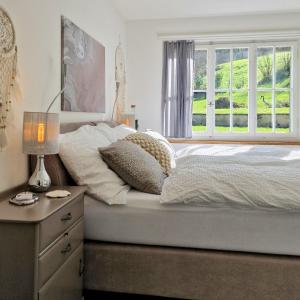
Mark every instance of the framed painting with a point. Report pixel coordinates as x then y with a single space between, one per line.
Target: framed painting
83 70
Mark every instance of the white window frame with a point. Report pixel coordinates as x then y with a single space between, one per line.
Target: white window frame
252 118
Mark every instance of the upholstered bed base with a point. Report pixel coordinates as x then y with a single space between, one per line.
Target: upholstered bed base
190 273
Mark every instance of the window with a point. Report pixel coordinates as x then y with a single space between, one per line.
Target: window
200 91
245 90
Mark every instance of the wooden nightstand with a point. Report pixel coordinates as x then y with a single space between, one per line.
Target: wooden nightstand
41 248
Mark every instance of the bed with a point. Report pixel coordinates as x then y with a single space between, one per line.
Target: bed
190 252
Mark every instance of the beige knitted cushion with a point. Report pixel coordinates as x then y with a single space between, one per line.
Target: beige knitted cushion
153 147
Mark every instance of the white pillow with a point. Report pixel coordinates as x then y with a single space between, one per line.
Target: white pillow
122 131
164 142
79 153
108 131
117 133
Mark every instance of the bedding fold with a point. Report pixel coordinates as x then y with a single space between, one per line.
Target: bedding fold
236 181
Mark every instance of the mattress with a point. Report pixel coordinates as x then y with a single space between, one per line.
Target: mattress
145 221
283 152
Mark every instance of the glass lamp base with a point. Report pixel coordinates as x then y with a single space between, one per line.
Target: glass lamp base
39 181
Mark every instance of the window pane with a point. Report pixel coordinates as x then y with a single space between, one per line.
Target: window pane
240 68
199 112
264 67
264 112
222 112
200 70
240 112
282 110
222 71
283 67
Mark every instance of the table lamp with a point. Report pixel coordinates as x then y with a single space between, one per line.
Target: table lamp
40 137
128 120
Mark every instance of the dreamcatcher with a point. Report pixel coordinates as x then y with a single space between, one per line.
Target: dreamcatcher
8 62
120 77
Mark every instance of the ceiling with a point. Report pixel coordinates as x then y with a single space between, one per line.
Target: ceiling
169 9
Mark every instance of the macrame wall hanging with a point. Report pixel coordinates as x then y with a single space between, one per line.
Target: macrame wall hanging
8 63
120 77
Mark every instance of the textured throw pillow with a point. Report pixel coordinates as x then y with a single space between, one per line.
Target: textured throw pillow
153 147
135 166
164 142
79 153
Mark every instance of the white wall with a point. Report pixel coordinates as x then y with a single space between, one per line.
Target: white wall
37 24
145 53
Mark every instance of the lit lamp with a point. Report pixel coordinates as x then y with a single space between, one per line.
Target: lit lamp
128 119
40 137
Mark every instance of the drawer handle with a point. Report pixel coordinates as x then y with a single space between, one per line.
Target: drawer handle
67 249
67 217
81 268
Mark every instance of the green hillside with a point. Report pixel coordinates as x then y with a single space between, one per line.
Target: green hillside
241 100
240 81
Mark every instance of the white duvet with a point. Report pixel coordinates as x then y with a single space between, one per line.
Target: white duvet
235 181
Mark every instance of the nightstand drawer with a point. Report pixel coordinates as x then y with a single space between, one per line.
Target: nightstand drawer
66 283
60 221
60 252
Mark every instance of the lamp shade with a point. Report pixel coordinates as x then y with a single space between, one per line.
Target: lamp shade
40 133
128 119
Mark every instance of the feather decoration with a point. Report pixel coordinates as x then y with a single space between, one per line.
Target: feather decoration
120 77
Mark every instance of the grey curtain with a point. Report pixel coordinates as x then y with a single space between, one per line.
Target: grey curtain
177 88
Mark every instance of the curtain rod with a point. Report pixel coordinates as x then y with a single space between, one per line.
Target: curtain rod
234 36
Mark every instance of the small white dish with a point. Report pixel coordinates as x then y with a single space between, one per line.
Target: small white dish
24 198
58 194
